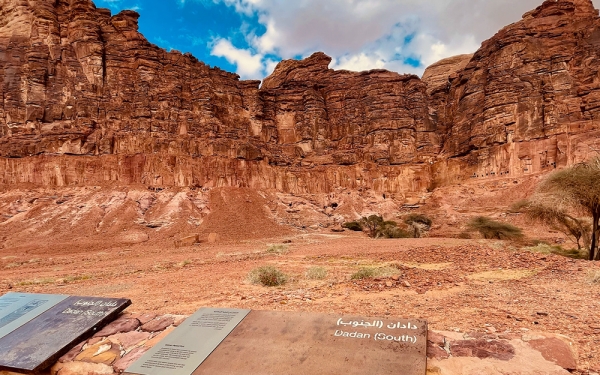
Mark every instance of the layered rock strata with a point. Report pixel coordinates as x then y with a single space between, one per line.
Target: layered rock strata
88 100
529 99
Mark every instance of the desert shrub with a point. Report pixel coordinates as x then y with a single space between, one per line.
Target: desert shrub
353 225
418 218
545 248
464 235
316 273
267 276
391 231
418 224
372 272
364 273
277 249
491 229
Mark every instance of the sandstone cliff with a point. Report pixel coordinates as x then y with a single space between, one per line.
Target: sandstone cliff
529 99
88 100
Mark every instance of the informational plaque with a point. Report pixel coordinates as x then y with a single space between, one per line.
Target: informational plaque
190 344
296 343
17 309
38 343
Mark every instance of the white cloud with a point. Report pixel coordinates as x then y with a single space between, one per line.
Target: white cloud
249 65
368 34
358 62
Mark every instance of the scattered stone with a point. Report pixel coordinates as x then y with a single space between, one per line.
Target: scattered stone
123 324
81 368
483 349
130 339
158 324
103 352
555 350
129 358
143 318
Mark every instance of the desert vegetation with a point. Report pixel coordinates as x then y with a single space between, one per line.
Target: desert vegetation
565 195
267 276
316 273
491 229
375 226
373 272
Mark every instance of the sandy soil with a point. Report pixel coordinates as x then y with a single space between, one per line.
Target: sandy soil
461 285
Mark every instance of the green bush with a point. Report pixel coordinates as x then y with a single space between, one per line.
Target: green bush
353 225
267 276
491 229
316 273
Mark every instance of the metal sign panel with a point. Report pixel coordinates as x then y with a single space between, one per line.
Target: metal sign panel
297 343
37 344
182 351
17 309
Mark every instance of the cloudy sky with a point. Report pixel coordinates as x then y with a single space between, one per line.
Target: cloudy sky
249 37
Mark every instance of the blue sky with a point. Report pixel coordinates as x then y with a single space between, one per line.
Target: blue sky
250 36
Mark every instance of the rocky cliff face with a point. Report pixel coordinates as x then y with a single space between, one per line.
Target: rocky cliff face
529 99
88 100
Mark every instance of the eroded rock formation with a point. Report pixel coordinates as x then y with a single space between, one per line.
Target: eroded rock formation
88 100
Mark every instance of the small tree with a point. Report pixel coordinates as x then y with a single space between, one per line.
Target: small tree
372 224
577 188
557 218
376 227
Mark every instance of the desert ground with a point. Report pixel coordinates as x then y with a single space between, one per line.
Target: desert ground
456 285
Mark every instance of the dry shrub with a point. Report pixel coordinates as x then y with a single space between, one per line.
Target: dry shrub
316 273
277 249
267 276
372 272
491 229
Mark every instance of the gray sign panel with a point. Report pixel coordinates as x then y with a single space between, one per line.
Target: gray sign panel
17 309
37 344
182 351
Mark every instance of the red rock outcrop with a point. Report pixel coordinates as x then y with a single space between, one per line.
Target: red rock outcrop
529 99
88 100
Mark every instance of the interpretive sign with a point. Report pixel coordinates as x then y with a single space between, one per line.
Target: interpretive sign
190 344
39 342
293 344
17 309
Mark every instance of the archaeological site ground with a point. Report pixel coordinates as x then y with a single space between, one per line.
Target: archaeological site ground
130 172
